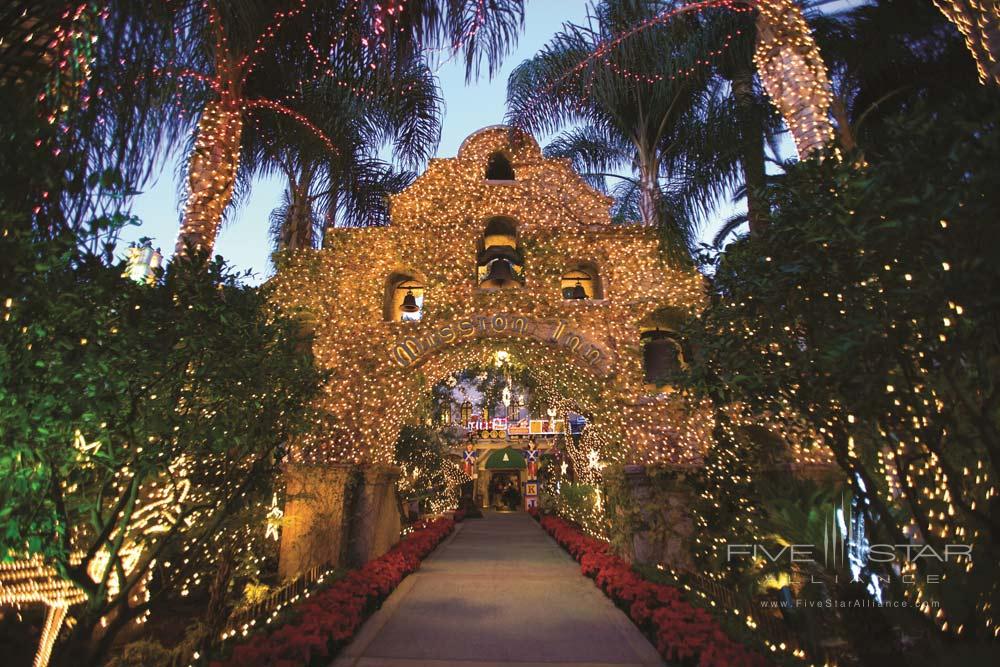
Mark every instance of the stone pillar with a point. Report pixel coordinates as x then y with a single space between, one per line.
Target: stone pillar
671 500
312 527
375 521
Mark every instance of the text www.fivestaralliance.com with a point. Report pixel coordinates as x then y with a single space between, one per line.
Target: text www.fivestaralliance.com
830 603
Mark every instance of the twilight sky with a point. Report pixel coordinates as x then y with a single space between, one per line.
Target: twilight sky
243 241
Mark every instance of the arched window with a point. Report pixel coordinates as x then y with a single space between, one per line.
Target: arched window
498 168
581 282
404 298
500 263
662 357
663 349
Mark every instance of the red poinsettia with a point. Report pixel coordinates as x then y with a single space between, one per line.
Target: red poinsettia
328 619
682 632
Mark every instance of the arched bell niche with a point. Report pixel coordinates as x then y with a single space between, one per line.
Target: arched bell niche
404 297
500 263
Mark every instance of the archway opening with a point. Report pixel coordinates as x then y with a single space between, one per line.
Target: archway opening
404 297
581 282
500 261
499 168
502 429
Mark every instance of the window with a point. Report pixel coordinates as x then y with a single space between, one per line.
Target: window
498 168
404 298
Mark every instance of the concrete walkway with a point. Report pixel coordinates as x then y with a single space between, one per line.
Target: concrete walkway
498 592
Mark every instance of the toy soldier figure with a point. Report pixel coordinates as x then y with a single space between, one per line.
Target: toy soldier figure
531 459
469 460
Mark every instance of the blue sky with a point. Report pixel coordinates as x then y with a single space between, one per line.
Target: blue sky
243 241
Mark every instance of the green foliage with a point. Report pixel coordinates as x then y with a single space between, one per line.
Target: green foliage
577 503
729 505
115 395
420 453
666 144
869 310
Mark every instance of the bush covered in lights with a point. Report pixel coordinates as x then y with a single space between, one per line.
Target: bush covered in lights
142 427
426 476
868 312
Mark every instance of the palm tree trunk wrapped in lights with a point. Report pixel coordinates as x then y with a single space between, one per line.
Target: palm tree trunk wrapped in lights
793 73
211 174
979 23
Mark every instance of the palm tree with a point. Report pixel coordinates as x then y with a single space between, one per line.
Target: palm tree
85 112
648 116
794 74
357 199
979 23
232 43
756 121
885 57
362 112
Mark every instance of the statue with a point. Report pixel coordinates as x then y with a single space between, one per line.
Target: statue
469 460
531 458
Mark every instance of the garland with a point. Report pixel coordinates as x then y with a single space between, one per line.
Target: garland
683 633
328 620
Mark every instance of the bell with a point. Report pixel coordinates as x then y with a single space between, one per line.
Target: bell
410 303
500 274
578 291
660 357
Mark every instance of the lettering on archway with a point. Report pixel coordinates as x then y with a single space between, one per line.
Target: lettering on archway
412 350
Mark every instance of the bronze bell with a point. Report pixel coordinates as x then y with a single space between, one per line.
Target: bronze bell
660 356
500 275
578 291
410 303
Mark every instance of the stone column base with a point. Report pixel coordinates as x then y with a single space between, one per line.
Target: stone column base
668 506
331 521
375 521
312 528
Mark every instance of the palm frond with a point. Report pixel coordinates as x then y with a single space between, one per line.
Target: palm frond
728 227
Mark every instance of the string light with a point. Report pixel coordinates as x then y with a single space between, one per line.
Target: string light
979 23
436 224
793 73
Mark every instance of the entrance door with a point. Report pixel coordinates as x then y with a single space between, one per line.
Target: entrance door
505 490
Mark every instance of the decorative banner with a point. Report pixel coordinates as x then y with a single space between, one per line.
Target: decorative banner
500 427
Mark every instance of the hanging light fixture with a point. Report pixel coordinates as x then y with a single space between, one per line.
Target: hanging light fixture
578 291
410 302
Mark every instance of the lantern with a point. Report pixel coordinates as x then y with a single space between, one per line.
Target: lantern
142 263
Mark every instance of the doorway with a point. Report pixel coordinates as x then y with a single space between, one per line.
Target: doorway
505 491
